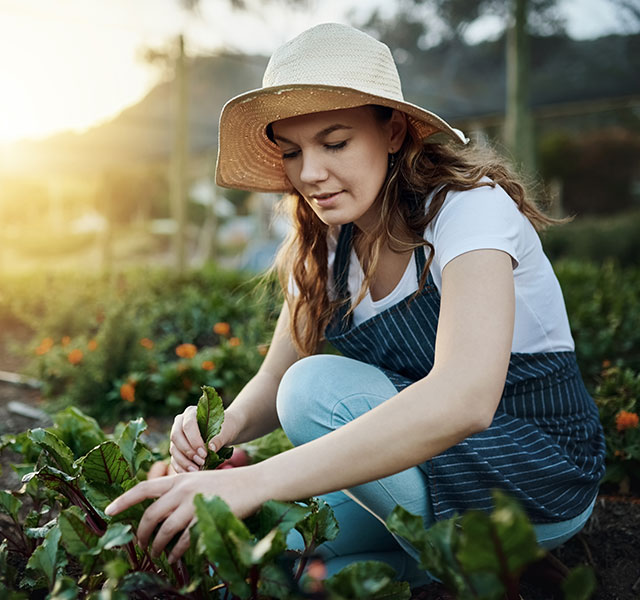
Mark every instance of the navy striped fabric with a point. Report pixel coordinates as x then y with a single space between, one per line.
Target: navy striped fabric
545 446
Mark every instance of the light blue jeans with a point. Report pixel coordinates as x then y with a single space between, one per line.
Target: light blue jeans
321 393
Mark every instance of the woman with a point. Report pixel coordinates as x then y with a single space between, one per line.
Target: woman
421 263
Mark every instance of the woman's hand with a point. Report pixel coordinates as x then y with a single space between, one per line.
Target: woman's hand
187 447
174 504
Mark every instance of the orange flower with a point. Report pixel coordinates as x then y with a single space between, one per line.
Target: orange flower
45 345
208 365
626 420
75 356
222 328
186 350
92 345
128 391
234 341
606 364
146 343
262 349
65 341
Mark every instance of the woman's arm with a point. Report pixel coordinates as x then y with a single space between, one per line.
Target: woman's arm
456 399
251 414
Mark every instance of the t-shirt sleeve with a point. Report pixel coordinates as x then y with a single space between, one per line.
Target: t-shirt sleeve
482 218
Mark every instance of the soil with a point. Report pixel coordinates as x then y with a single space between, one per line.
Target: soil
609 543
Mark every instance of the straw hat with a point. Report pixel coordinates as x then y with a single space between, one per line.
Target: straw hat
327 67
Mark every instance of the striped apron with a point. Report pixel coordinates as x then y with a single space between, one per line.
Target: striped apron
545 446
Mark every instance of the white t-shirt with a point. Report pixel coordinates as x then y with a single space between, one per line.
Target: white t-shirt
483 218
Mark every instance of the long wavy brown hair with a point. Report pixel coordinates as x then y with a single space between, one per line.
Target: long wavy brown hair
419 169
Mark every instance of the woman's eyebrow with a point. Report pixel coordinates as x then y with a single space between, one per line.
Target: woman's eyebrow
318 136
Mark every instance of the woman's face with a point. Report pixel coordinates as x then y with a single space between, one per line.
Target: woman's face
337 160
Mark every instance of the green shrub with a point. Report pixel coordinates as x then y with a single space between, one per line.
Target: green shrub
596 239
602 304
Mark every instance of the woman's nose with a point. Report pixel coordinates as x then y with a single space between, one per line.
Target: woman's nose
313 169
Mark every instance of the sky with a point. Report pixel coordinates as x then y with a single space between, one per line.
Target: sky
71 64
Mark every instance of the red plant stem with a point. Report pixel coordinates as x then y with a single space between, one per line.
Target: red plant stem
254 575
511 584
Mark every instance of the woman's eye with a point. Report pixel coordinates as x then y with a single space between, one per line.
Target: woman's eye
337 146
290 154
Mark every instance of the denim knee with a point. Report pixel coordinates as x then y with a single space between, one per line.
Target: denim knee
300 394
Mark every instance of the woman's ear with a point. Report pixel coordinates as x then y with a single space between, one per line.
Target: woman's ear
397 130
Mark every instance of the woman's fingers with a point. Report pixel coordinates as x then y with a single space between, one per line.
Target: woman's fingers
184 444
182 544
191 431
177 522
180 462
152 488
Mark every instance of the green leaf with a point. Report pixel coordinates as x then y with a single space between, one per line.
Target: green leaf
52 478
133 450
275 514
503 542
267 446
64 589
117 534
106 465
436 546
76 536
319 526
9 504
40 532
78 431
210 413
220 532
372 580
580 584
46 560
275 583
210 416
55 448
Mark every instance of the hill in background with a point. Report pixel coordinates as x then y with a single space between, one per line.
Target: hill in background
456 81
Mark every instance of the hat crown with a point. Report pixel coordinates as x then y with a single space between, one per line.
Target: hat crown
337 55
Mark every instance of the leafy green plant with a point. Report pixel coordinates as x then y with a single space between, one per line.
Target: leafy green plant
478 555
67 547
618 399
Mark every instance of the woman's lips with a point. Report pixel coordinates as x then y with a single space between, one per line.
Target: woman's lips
326 200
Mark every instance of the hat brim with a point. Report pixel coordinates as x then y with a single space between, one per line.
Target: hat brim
249 160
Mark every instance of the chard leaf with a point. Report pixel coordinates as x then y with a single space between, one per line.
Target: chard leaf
275 514
210 413
106 465
133 450
150 583
220 532
275 583
55 448
53 478
436 546
369 579
64 589
9 504
210 416
268 445
47 559
78 431
76 536
117 534
40 532
502 543
580 584
261 551
319 526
